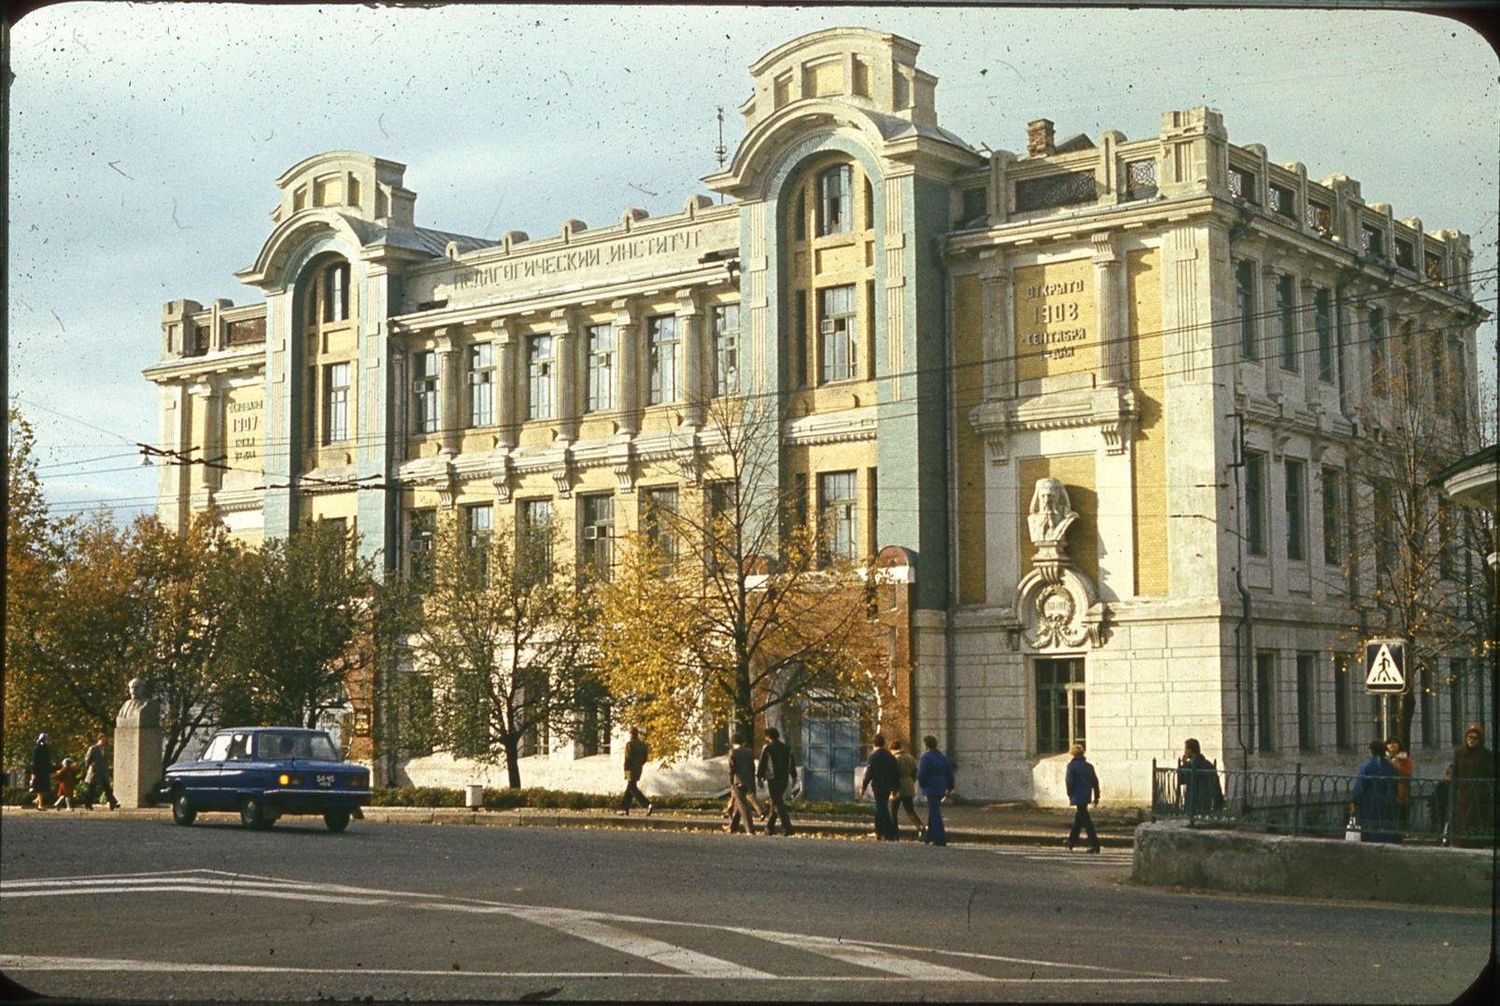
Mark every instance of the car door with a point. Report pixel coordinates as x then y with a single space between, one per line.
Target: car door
235 771
200 780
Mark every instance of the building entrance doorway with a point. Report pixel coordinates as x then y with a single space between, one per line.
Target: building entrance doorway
830 751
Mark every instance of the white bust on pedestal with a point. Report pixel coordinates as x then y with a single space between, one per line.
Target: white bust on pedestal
137 746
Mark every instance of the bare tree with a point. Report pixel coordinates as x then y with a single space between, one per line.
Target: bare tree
729 601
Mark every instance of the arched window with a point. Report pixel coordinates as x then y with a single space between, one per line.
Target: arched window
835 200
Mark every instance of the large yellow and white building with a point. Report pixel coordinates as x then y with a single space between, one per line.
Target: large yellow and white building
943 329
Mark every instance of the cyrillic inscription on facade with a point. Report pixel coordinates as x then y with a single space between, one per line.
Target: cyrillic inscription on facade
244 428
1054 320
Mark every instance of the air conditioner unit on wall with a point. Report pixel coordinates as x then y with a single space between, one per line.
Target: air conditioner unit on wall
828 327
590 532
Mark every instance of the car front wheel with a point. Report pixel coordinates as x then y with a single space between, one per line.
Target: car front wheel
337 820
183 811
253 815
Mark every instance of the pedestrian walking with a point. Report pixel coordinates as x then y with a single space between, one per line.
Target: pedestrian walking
636 753
1473 791
39 775
66 777
1083 788
1372 802
744 808
777 771
1400 760
1199 779
906 788
935 776
882 775
96 775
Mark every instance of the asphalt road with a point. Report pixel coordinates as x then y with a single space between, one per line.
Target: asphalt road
95 908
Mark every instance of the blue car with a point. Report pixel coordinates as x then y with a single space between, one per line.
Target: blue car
265 772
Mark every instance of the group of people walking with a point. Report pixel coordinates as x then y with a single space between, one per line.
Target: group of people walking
58 786
895 776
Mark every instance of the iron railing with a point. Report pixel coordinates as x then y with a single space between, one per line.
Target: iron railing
1317 805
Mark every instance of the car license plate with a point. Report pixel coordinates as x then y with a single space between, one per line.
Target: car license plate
326 780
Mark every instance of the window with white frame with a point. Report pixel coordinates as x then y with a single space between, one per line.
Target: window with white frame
837 500
658 511
534 539
335 403
601 351
424 392
662 344
836 200
336 292
596 525
1061 711
482 384
1286 309
539 377
837 333
726 338
1323 324
479 529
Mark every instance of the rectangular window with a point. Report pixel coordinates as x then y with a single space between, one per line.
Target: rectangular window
421 528
1307 710
336 293
534 540
1343 729
1320 218
1431 725
1432 268
1265 701
596 527
479 529
1060 706
1385 534
1140 178
1323 323
335 403
530 696
1296 509
1373 239
482 384
1242 184
662 350
835 200
539 377
726 337
1406 254
1333 516
424 392
1244 299
595 720
1286 308
1375 321
658 508
1283 201
601 349
1255 503
836 514
837 333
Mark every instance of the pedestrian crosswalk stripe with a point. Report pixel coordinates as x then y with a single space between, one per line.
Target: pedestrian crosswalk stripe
666 954
868 957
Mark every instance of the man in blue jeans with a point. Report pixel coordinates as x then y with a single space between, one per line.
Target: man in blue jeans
935 776
883 775
1083 784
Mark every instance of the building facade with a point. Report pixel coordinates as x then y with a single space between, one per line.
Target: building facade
1102 399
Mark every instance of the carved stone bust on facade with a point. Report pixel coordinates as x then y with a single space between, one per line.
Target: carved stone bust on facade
1051 514
1056 604
140 710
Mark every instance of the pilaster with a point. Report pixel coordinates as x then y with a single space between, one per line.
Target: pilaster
1109 311
628 343
506 338
999 360
450 423
690 327
565 348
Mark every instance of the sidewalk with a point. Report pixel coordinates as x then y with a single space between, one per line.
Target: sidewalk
1001 824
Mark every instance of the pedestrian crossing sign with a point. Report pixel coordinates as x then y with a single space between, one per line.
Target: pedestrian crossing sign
1385 666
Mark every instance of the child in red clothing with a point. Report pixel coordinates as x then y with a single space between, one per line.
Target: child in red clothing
66 778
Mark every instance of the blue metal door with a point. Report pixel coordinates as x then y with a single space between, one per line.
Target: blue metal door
830 746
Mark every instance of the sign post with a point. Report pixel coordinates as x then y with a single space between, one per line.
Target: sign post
1385 675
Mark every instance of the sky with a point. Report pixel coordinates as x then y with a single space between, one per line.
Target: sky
145 141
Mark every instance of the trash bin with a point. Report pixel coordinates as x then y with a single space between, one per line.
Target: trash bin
474 798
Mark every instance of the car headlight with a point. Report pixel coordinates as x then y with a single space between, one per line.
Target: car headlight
284 779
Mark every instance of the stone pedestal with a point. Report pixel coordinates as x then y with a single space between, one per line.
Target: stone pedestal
138 740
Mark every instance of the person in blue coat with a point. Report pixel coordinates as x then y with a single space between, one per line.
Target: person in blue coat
1083 786
935 777
1373 800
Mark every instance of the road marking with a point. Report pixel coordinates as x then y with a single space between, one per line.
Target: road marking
25 962
869 957
601 928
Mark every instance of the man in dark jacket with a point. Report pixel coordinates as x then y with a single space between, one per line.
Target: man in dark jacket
777 772
742 803
1373 799
1197 775
935 777
1083 785
40 772
96 775
1473 773
883 775
636 753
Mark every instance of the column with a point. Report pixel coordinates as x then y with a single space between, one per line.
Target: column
998 342
627 341
1307 330
505 380
450 416
1270 322
213 436
1110 317
565 348
690 331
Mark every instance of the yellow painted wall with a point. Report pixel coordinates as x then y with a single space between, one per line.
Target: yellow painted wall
1149 454
968 382
1054 320
1076 473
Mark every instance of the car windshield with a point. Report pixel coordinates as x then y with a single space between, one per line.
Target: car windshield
274 744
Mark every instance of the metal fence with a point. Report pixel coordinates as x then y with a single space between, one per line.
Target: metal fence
1301 803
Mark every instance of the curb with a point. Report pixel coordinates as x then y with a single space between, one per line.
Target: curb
661 821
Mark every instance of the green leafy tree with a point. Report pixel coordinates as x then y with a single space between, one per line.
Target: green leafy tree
504 639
